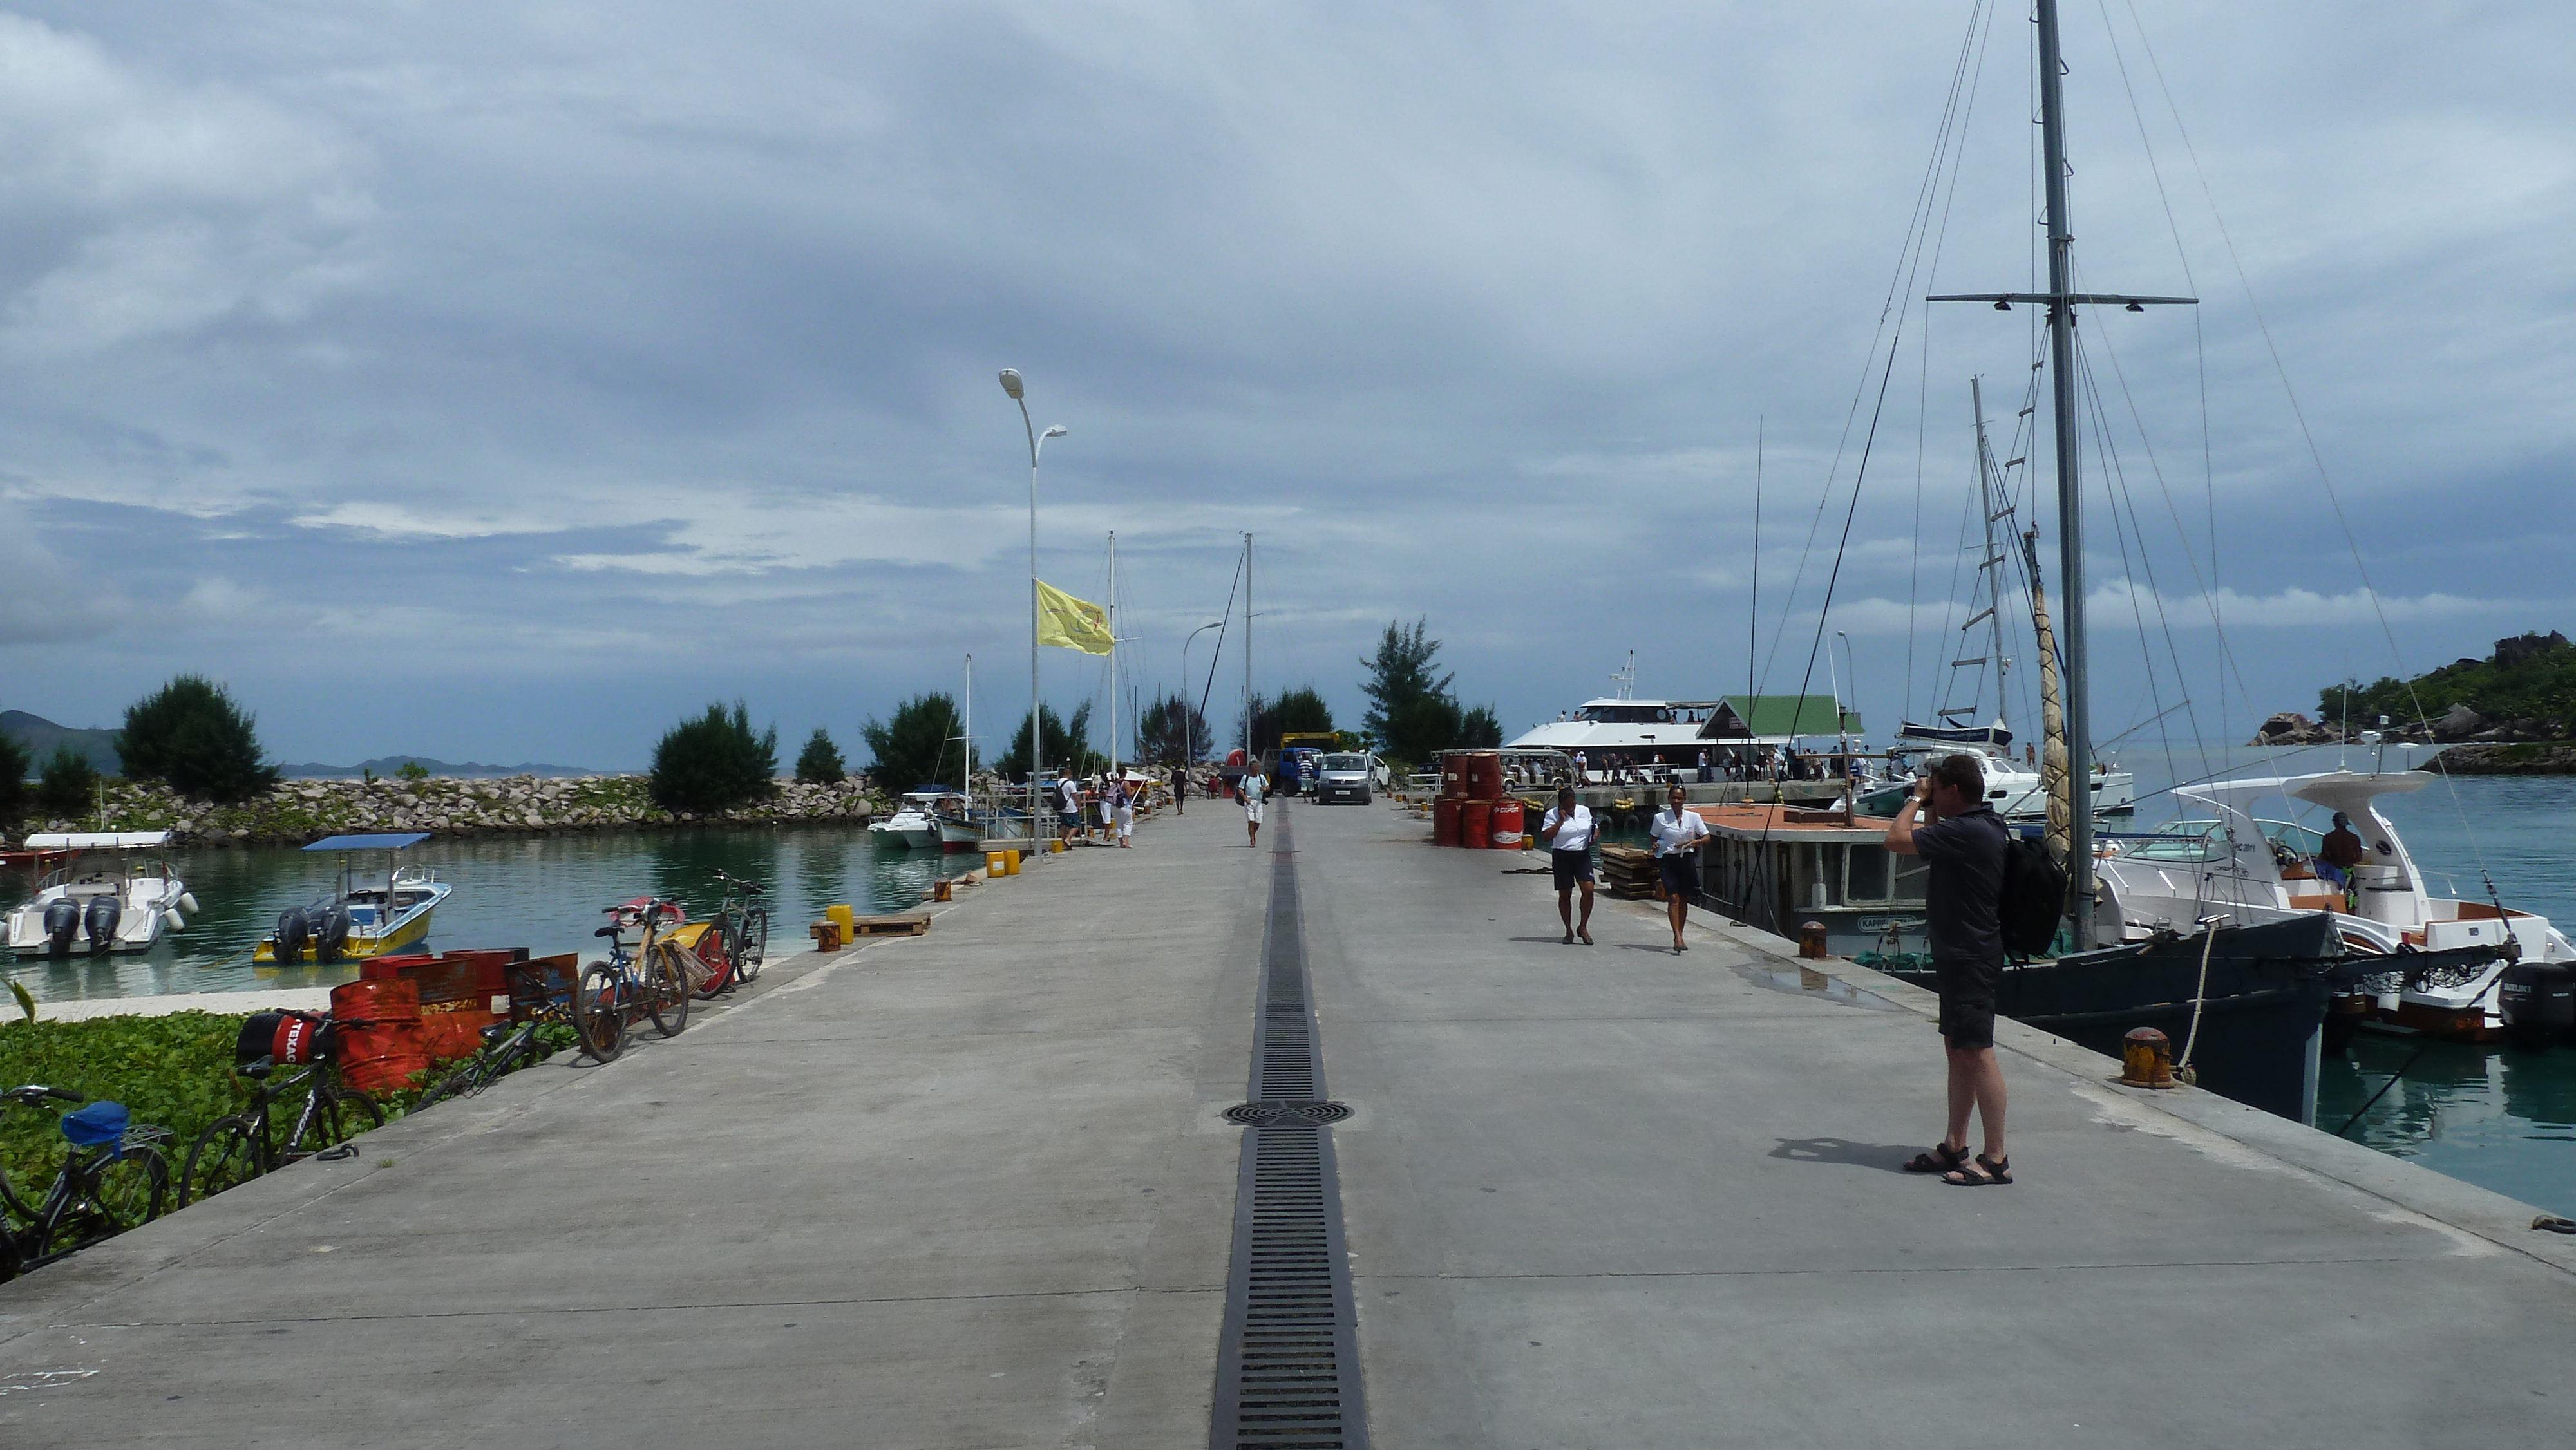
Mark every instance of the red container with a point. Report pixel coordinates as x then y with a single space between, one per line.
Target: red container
1483 770
1444 820
380 1033
1475 824
1453 777
386 969
1507 825
458 1032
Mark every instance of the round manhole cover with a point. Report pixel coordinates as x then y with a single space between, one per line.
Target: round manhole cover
1288 1112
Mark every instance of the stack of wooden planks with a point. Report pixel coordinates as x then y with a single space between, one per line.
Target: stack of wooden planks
1628 872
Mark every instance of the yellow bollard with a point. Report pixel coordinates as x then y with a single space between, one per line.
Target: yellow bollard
845 919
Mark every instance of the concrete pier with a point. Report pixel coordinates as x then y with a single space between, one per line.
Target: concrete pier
973 1189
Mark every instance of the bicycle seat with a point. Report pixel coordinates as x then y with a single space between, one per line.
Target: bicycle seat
261 1068
605 931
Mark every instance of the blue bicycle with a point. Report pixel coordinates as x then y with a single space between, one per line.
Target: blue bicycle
113 1178
654 980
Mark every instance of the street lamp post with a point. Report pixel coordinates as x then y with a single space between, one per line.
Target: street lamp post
1011 384
1188 740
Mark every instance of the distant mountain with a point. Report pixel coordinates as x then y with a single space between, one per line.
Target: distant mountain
42 736
392 765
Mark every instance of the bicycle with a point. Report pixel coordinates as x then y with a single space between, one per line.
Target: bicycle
736 943
113 1178
654 982
239 1147
535 1007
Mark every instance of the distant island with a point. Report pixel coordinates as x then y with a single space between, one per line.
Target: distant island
42 737
2507 714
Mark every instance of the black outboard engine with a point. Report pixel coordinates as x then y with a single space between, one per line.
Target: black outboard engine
62 923
332 935
2538 1000
294 933
100 921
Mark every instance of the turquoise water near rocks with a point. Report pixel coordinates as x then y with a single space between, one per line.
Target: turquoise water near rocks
540 892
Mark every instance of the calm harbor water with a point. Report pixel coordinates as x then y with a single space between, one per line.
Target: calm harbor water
540 892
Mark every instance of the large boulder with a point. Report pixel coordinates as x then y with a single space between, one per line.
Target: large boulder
2292 728
2511 652
2458 723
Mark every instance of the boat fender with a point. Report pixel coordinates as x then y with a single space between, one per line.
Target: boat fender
62 923
188 902
294 931
333 935
171 918
101 920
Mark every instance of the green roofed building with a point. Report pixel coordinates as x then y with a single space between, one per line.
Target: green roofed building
1777 719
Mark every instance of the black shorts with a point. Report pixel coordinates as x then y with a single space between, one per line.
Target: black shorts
1681 874
1571 866
1968 1002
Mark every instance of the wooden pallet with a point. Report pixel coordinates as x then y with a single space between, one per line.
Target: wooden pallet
901 923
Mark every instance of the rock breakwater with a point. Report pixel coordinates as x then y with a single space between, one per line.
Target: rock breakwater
2540 757
295 812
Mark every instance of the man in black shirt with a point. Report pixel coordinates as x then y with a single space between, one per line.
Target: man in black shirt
1962 841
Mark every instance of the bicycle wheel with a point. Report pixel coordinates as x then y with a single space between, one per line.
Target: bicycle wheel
666 989
716 954
599 1012
338 1113
751 945
128 1192
226 1154
467 1080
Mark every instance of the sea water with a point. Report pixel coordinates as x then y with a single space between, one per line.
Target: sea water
544 893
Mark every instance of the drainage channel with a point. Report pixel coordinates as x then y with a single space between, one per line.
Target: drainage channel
1288 1368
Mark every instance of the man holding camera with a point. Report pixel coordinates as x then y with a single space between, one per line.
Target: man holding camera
1962 840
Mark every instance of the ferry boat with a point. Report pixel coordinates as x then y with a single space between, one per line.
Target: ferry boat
2013 787
123 905
366 915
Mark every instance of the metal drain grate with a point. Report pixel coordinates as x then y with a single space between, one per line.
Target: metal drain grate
1288 1367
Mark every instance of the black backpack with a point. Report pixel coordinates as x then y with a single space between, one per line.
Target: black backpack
2033 899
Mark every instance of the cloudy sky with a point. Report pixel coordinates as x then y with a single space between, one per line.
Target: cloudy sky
501 381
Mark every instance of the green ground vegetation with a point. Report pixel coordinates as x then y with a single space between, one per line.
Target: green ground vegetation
2532 677
173 1072
715 762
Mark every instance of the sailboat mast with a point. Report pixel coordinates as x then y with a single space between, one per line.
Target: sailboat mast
1990 566
1248 761
1113 653
2070 495
970 735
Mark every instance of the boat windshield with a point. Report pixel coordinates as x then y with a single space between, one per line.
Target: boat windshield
2178 841
2298 838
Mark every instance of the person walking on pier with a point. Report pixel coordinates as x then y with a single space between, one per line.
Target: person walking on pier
1069 813
1568 830
1962 841
1254 788
1180 790
1678 830
1122 803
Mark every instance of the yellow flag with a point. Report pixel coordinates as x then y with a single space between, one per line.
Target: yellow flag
1071 623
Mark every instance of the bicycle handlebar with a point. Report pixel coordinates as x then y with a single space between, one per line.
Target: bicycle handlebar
35 1093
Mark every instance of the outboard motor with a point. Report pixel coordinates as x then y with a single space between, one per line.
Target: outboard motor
2538 1000
100 921
294 933
332 935
62 923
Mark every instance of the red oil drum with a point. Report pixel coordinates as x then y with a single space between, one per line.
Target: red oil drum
1484 772
380 1033
1507 825
1453 777
1444 820
1476 824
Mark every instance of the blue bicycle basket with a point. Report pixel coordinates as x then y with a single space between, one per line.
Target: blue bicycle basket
95 1126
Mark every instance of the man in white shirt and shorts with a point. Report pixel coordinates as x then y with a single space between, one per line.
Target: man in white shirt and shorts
1254 788
1678 830
1569 830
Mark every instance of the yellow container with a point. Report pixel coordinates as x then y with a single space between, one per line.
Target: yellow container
845 918
993 863
1010 863
1056 846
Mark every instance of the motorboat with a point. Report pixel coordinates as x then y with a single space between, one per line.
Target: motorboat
920 818
2013 787
124 904
2224 859
367 914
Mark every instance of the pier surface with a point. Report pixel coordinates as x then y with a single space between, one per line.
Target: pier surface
972 1189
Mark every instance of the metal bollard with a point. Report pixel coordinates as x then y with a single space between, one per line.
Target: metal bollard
940 890
2146 1059
1811 941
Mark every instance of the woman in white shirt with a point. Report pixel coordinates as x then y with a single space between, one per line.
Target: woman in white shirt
1123 799
1678 830
1569 830
1254 788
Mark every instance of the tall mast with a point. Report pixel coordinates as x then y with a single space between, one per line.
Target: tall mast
2061 300
1990 565
1113 654
1247 652
970 736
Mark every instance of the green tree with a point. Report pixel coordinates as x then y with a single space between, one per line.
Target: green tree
69 783
715 762
917 745
820 762
2530 678
1067 744
1479 729
1172 732
191 735
1423 727
413 770
1297 711
14 767
1399 675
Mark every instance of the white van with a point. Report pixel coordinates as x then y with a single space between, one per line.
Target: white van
1343 776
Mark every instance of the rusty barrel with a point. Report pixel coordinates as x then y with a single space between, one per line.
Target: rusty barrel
1444 820
1476 824
380 1033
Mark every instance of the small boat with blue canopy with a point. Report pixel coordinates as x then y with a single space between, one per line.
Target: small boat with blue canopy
368 914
